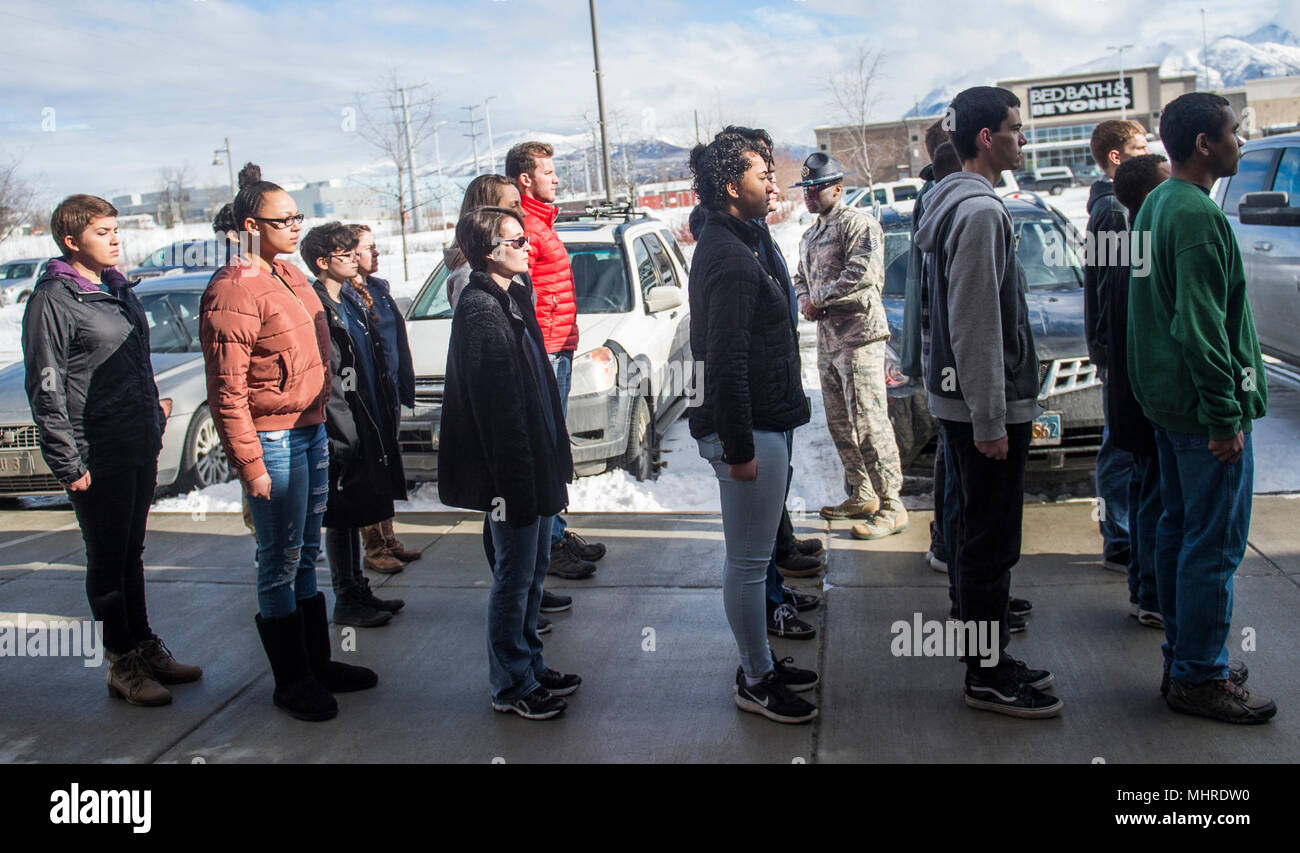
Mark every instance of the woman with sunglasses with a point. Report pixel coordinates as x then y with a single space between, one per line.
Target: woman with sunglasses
504 451
384 551
266 350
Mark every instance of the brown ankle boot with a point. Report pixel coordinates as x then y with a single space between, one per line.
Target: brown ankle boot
377 557
130 678
166 669
395 546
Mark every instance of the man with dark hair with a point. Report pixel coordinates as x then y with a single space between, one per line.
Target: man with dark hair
1112 143
530 166
982 384
1196 368
1135 178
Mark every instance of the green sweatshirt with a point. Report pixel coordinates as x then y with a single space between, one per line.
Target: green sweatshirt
1193 356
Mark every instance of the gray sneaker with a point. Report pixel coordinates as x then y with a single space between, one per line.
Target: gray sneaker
1220 699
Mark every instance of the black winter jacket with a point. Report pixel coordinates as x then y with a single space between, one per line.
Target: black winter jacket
1105 215
743 332
366 473
1129 428
496 451
89 379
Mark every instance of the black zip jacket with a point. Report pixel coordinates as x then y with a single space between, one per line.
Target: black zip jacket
1105 216
89 379
497 453
365 474
742 331
1129 428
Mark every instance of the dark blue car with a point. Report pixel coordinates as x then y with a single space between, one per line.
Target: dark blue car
1068 434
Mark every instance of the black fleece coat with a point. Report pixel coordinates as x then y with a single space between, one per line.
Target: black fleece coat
497 453
366 473
742 330
1105 215
1129 428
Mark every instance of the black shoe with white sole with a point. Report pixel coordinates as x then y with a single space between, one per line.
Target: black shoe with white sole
798 680
1019 607
557 683
1039 679
773 699
1007 695
801 601
783 621
1016 624
543 625
538 705
552 603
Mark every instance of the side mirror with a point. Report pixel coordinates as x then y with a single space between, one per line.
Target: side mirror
662 298
1267 208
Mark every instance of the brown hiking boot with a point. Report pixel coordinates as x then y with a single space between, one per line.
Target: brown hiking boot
378 559
395 546
890 520
130 678
165 668
851 509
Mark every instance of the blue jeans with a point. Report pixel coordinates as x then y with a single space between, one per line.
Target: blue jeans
523 554
562 364
1114 470
750 514
288 524
1144 511
1200 541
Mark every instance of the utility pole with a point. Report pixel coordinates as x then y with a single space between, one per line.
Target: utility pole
442 193
230 165
600 105
473 132
586 175
1123 109
487 119
697 127
410 164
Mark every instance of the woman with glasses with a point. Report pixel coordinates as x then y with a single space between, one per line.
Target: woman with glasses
266 350
365 465
483 191
504 451
384 551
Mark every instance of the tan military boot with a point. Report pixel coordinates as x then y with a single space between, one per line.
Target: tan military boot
377 557
888 521
130 678
395 546
166 669
851 509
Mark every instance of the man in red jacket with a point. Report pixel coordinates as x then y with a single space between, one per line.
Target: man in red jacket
530 166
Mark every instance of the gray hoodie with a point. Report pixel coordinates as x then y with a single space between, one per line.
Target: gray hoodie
983 369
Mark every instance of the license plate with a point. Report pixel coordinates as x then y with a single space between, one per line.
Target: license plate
16 464
1047 429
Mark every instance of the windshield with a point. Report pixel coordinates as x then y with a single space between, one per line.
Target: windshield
197 254
173 320
17 270
599 275
897 244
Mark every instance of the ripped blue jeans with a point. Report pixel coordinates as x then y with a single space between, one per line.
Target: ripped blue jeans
288 524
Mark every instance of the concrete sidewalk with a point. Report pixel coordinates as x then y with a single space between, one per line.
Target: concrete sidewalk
671 704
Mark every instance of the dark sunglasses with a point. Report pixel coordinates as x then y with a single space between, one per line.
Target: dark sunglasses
518 242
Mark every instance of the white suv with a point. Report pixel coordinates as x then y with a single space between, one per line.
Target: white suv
633 375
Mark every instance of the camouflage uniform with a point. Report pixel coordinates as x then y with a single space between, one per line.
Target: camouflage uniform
842 271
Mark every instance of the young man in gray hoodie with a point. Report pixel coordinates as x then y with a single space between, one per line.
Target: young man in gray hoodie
982 383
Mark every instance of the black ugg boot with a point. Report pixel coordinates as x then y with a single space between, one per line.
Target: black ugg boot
337 677
297 692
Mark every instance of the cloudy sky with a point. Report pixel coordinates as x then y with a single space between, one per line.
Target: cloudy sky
99 97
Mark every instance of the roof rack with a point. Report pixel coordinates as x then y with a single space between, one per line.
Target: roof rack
620 210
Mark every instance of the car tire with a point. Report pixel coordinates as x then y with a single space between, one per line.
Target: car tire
1056 189
203 461
639 458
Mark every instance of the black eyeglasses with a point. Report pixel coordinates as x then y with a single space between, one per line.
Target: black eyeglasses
519 242
345 256
284 222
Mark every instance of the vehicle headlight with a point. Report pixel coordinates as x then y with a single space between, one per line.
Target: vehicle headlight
894 376
594 372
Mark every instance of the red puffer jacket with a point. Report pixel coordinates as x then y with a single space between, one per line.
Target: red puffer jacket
548 264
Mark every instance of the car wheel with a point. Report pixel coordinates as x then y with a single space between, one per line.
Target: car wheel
203 462
1057 189
639 459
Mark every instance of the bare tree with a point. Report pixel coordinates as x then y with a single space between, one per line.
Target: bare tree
401 126
171 204
854 93
17 198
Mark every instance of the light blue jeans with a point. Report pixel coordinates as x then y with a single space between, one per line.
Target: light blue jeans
750 515
288 524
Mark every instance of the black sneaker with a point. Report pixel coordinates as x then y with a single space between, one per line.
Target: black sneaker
552 603
1020 607
538 705
1039 679
1237 674
1220 699
581 548
772 699
557 683
543 625
801 600
798 566
798 680
809 547
1016 624
565 565
392 605
1010 697
784 621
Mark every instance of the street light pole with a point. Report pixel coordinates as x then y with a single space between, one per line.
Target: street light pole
230 164
487 120
442 193
1123 104
600 106
410 164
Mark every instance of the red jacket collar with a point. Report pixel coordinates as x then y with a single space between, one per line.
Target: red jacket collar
540 209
